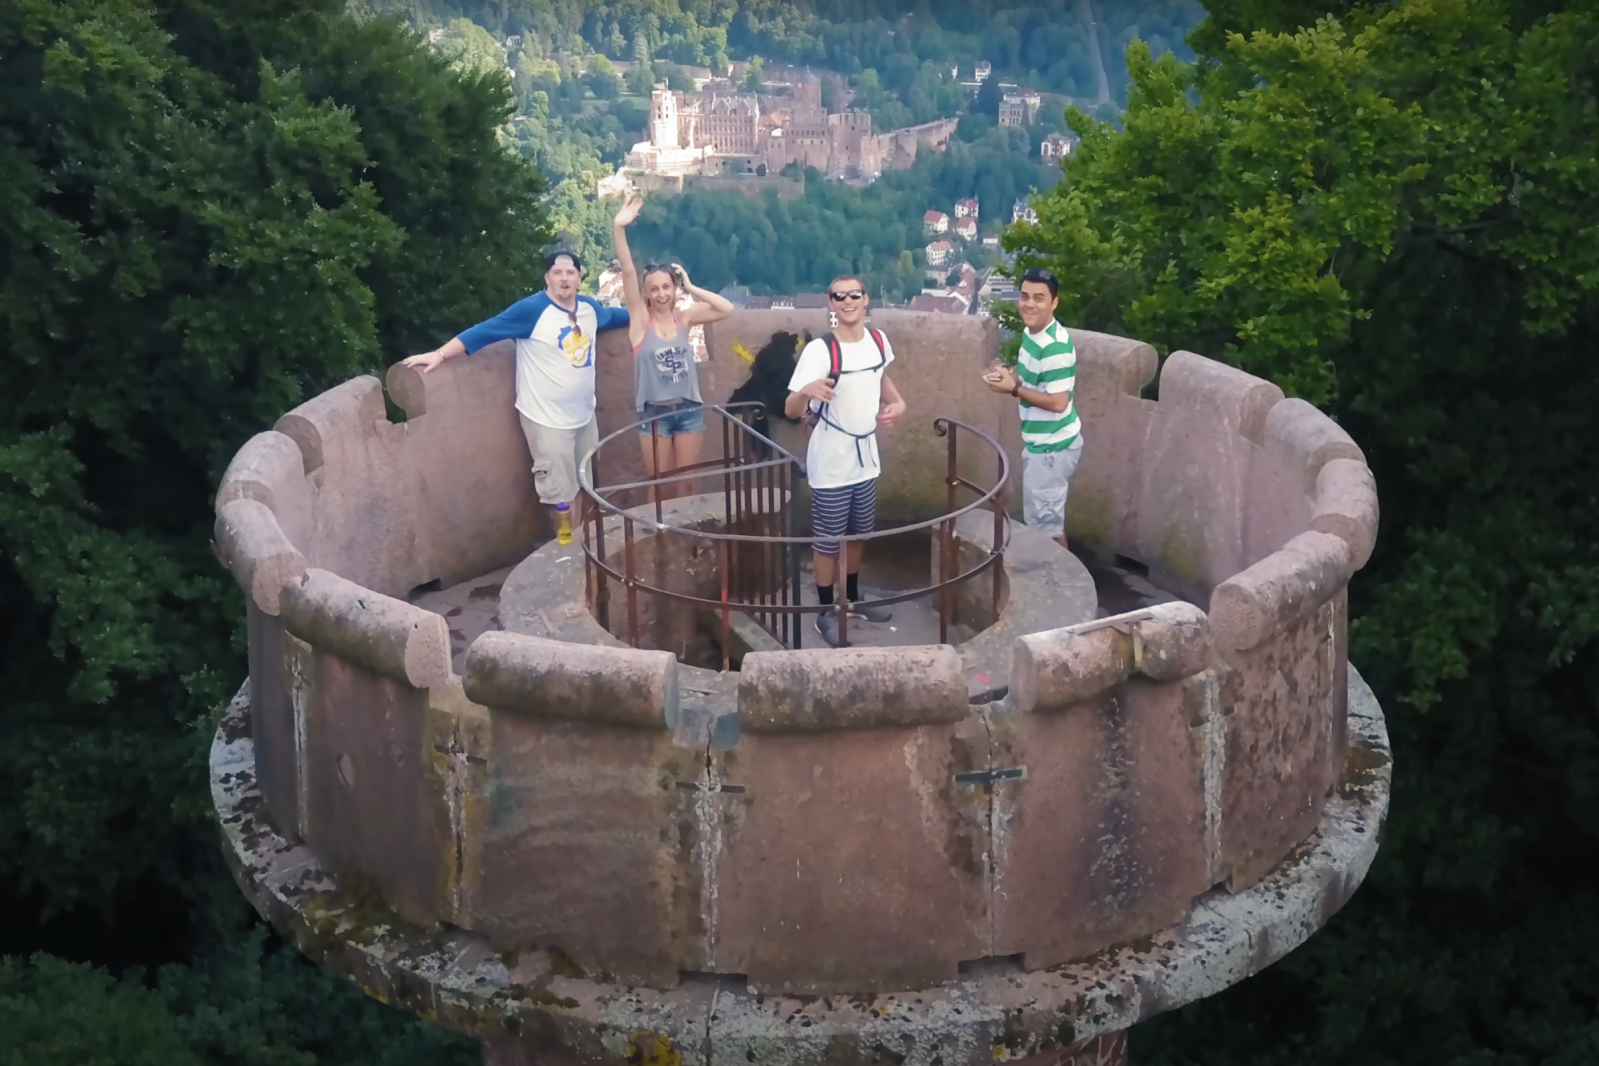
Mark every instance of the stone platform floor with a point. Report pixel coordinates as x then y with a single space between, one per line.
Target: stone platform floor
472 608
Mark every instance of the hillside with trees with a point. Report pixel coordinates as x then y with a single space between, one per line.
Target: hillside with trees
1408 236
208 214
1048 47
212 210
773 245
582 77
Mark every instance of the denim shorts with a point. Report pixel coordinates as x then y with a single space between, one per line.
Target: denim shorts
673 419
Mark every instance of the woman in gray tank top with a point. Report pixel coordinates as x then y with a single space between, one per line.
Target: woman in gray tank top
666 380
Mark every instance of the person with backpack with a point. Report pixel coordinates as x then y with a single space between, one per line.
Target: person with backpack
841 386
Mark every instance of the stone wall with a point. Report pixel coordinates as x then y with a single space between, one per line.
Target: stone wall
870 828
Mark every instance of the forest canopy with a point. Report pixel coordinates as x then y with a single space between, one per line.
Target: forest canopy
1047 46
1408 235
210 211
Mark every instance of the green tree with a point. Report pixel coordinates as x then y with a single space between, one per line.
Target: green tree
1407 233
640 79
603 80
470 48
677 79
908 274
201 229
987 100
754 75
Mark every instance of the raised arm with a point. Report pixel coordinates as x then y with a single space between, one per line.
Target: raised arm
632 295
708 306
515 321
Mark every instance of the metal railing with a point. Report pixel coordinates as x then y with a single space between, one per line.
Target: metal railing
757 541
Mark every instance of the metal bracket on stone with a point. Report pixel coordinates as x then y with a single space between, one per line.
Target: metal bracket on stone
988 777
714 786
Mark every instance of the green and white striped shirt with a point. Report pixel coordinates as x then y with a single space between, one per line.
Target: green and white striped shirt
1048 363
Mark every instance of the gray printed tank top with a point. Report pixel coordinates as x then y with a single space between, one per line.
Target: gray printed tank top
664 370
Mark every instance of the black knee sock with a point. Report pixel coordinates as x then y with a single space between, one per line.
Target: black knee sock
852 587
824 594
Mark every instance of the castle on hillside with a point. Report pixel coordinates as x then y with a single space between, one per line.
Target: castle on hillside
725 132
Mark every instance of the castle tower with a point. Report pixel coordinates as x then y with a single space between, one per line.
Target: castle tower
663 118
598 803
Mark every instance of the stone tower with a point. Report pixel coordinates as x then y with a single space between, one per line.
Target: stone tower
663 118
1013 845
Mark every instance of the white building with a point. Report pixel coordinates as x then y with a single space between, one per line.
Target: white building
1056 146
1023 211
939 253
1019 108
935 222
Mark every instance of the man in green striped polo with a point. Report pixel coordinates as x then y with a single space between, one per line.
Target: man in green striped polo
1044 380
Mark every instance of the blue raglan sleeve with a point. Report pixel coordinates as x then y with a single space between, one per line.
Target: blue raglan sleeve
607 317
515 321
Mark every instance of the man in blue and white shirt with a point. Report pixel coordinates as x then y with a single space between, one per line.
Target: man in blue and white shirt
555 333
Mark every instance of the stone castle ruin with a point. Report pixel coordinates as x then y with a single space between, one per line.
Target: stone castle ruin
578 846
724 132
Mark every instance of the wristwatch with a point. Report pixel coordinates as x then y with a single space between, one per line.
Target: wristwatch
1016 389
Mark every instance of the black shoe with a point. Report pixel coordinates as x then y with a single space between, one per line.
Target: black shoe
827 626
869 613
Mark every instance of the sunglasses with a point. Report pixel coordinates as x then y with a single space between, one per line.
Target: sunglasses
1043 274
839 297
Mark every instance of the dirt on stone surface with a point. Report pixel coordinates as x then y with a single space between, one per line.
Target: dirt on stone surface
470 609
1121 585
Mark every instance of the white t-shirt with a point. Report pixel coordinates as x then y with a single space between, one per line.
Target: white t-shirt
835 459
554 355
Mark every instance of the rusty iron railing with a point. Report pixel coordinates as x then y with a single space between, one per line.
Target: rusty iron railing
758 543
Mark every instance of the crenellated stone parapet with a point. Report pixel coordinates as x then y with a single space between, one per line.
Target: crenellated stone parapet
836 822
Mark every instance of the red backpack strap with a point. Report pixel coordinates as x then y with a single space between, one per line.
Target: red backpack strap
882 345
835 357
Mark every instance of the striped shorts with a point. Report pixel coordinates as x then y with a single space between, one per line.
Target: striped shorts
841 511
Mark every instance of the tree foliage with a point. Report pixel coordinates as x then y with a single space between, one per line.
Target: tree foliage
1392 209
208 212
1047 46
773 245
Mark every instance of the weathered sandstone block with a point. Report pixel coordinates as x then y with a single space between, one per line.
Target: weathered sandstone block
346 406
1238 400
271 469
1281 588
1296 429
252 546
1099 819
382 634
555 679
851 688
1060 667
1346 506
